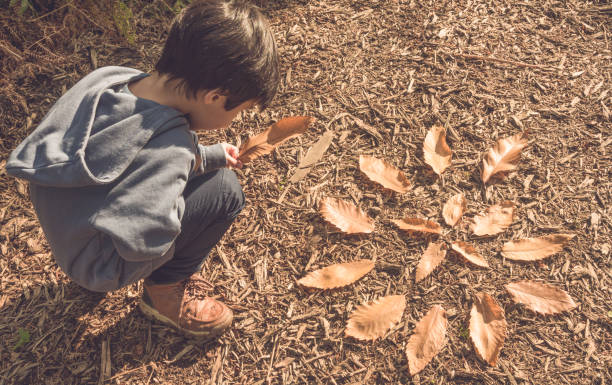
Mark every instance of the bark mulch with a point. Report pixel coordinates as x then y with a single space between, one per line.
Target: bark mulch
379 74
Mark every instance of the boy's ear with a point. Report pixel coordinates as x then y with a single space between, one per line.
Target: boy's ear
214 96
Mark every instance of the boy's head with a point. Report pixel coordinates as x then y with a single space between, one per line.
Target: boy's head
223 45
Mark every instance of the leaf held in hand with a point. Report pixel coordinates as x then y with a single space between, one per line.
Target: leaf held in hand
496 220
428 339
337 275
372 320
535 249
453 209
417 225
487 327
276 134
345 216
432 257
469 253
379 171
503 156
540 297
437 153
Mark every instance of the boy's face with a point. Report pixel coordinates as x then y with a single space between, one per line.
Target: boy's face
208 111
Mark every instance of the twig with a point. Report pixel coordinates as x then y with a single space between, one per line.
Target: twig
497 60
318 357
15 54
121 374
48 13
43 38
88 18
274 349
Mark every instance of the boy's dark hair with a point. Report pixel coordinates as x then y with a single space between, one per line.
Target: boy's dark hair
226 45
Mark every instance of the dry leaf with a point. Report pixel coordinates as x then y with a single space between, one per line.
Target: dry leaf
437 153
268 140
345 216
487 327
383 173
470 253
534 249
503 156
337 275
453 209
496 220
412 225
428 339
540 297
312 156
431 258
372 320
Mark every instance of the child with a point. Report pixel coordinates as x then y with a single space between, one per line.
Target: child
121 187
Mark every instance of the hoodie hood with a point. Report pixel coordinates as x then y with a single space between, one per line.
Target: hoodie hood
92 134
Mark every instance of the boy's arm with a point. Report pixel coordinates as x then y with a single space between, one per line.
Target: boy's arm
212 158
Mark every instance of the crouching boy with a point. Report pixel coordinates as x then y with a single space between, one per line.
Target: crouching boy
122 189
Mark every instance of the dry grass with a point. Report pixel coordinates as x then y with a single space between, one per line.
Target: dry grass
378 73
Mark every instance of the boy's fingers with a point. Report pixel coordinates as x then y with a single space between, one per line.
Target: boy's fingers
233 151
232 162
232 154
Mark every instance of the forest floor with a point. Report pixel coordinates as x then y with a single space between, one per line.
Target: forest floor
378 74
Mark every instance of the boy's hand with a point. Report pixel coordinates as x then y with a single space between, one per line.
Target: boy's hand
231 155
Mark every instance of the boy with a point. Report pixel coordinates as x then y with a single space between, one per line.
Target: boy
122 189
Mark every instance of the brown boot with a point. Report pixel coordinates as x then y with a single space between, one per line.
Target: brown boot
184 306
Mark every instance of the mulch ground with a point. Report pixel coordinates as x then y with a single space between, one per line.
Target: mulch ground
379 74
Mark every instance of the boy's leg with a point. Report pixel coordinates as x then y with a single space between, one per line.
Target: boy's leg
173 294
212 202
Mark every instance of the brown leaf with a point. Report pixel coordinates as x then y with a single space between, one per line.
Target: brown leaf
487 327
379 171
437 153
428 339
496 220
469 253
453 209
276 134
337 275
540 297
312 156
432 257
345 216
534 249
372 320
503 156
412 225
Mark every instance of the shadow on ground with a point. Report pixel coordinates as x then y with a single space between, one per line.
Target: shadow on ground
68 335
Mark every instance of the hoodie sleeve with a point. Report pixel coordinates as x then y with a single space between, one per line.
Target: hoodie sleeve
142 212
212 158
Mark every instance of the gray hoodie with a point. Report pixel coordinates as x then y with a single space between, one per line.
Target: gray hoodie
107 172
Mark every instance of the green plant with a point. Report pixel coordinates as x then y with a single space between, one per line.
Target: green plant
464 333
123 18
24 338
180 4
24 5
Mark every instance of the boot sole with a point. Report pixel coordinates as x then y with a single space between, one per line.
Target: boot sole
153 314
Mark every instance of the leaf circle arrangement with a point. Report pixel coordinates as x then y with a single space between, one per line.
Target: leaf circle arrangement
487 321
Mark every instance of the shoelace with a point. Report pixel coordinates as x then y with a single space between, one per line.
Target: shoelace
197 287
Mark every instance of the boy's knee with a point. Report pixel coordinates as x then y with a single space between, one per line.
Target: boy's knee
232 190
